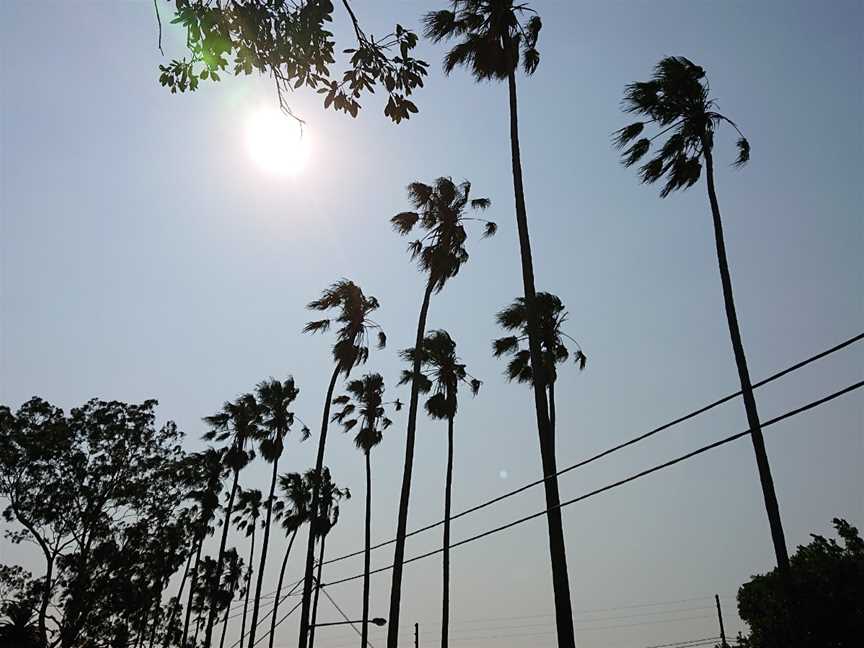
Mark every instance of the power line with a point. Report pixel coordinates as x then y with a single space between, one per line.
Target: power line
677 644
620 446
618 483
345 616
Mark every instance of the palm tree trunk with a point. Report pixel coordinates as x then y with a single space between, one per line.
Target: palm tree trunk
402 522
257 600
214 585
310 548
279 589
172 614
448 493
768 493
552 413
557 551
225 623
367 555
192 586
248 588
317 593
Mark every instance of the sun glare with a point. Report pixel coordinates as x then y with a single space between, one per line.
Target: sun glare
276 142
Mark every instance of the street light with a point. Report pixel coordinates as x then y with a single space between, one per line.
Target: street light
378 621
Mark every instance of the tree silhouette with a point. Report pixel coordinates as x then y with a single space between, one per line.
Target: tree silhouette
232 579
441 372
294 509
492 38
274 399
290 42
249 505
363 405
352 316
677 101
551 316
18 630
440 213
237 423
322 520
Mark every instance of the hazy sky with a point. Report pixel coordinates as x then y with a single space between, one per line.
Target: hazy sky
144 255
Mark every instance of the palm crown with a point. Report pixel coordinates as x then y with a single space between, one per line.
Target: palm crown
293 507
250 503
441 372
364 405
677 101
327 515
274 398
352 316
238 422
493 36
551 315
440 252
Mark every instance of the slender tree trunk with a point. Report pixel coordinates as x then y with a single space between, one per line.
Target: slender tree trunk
279 589
192 587
174 608
448 494
214 585
248 589
552 413
367 555
317 593
402 522
157 614
771 505
257 601
316 488
557 550
46 600
225 623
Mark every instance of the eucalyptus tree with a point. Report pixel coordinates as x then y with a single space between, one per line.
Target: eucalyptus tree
274 400
677 102
351 310
440 213
291 43
249 505
551 317
493 37
441 373
322 519
294 506
238 424
363 405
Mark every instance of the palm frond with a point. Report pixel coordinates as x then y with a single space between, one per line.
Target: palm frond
382 339
489 229
404 222
481 203
317 326
505 345
635 153
624 136
743 152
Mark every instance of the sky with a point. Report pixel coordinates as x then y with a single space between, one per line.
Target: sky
144 254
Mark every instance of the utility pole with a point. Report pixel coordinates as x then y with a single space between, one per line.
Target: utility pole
723 643
416 635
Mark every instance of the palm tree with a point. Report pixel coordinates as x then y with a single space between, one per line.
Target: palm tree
677 101
493 38
237 423
294 512
551 316
249 504
323 518
440 253
352 316
364 405
441 373
19 630
274 398
232 580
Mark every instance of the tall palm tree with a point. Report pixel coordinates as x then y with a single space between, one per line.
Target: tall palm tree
441 373
294 512
364 405
323 518
493 38
19 629
440 213
352 316
237 423
249 505
274 400
677 101
232 580
551 315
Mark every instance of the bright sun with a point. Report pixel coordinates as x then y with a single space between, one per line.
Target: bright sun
276 142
